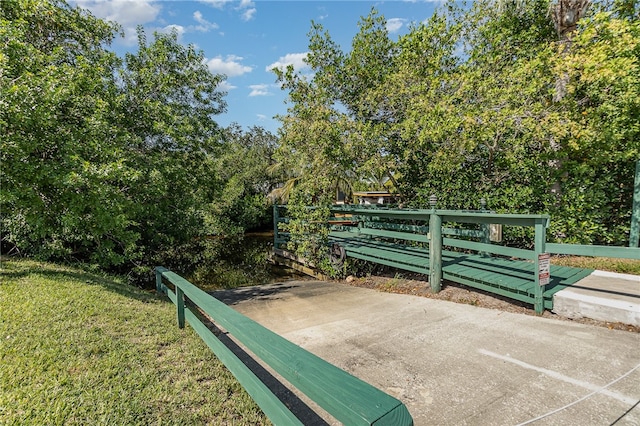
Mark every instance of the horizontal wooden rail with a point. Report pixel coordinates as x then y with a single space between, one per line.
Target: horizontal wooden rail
462 216
418 229
380 230
490 248
407 236
435 218
347 398
272 407
595 251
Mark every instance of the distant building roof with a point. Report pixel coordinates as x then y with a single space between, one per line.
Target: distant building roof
372 194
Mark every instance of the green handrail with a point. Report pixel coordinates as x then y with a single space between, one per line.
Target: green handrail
382 222
347 398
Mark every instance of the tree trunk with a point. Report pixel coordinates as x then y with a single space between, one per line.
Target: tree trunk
565 15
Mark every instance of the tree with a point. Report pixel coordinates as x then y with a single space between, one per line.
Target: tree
599 132
479 129
242 172
103 160
167 101
468 105
63 174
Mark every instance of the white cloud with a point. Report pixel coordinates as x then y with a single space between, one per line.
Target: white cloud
259 90
295 59
261 117
249 14
226 87
218 4
178 29
247 9
125 12
394 24
128 13
205 25
229 66
197 15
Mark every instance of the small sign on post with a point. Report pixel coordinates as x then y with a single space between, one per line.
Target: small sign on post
544 268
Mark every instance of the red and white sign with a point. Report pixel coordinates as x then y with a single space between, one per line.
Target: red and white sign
544 268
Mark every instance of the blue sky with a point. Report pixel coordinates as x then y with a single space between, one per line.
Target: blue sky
245 39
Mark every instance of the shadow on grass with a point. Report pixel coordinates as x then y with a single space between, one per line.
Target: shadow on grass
15 269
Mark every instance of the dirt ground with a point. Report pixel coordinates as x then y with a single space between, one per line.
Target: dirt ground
418 285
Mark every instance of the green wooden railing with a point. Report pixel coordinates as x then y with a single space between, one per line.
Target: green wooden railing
594 251
345 397
435 229
436 240
634 231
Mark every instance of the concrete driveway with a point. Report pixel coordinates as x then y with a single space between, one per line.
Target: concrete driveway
454 364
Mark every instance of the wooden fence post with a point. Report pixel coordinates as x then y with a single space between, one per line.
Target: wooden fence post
158 280
485 228
539 247
634 233
276 219
435 247
435 252
180 306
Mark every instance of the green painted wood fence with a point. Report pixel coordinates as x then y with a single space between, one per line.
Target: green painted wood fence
448 264
455 245
347 398
634 233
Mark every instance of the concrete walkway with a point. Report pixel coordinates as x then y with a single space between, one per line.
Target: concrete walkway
604 296
455 364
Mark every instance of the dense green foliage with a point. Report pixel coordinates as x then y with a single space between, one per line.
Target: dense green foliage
480 101
114 160
120 162
99 351
242 170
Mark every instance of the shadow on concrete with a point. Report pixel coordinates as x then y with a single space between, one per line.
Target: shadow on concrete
240 294
296 405
604 290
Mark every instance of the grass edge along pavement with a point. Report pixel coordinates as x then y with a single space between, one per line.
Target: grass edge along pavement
81 348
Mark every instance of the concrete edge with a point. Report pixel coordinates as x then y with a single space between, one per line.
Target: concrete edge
608 274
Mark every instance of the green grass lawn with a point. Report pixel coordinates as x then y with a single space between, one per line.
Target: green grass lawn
80 348
622 266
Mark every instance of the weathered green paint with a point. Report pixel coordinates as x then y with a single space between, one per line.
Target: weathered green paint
506 277
485 230
540 239
272 407
421 231
489 248
402 227
347 398
435 252
599 251
470 233
276 220
485 237
159 270
388 234
634 234
446 215
382 237
180 306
